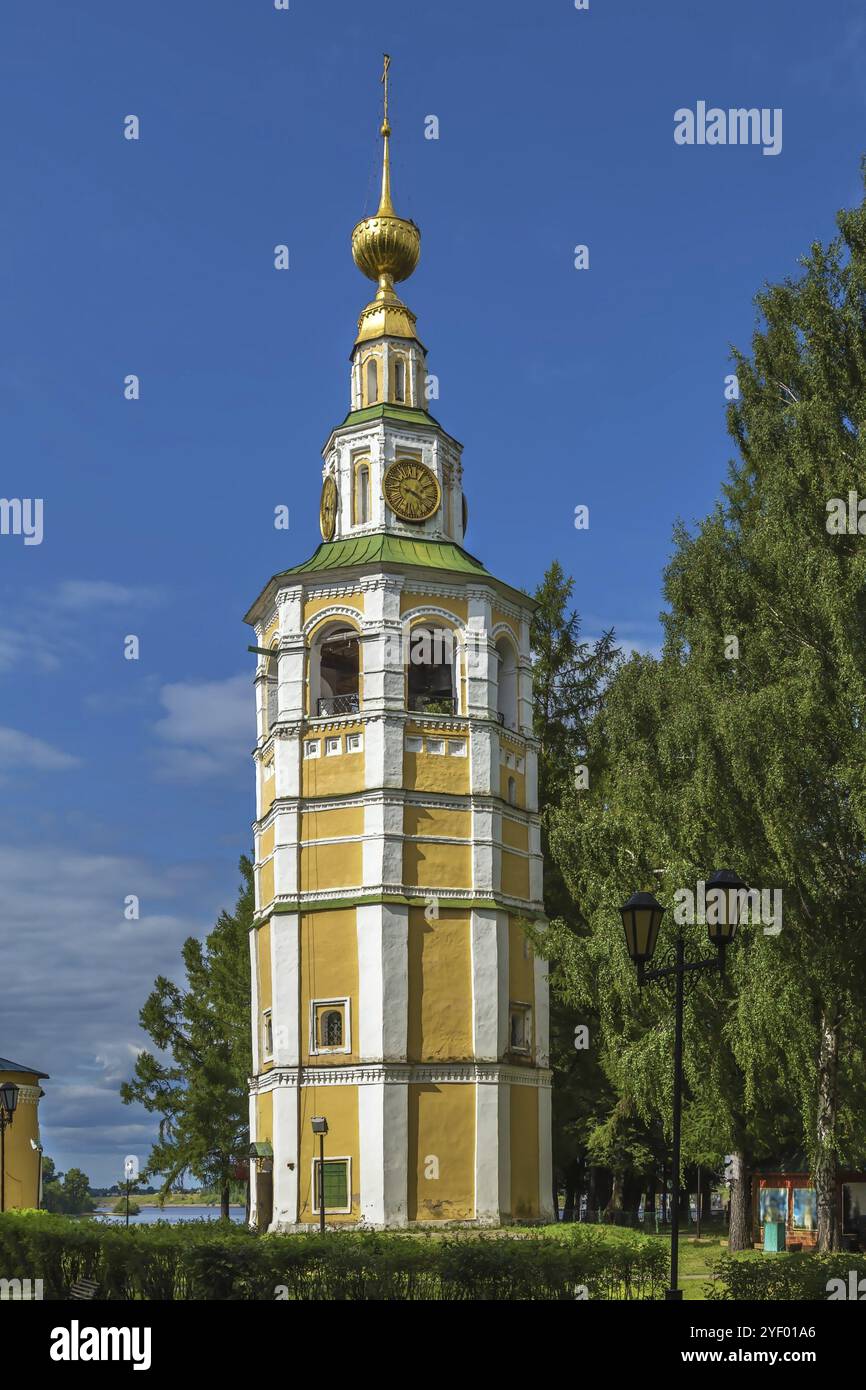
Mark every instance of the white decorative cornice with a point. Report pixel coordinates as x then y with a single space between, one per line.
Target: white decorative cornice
402 1074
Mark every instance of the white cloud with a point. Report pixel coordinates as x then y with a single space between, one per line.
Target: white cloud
23 750
18 646
78 975
209 725
78 595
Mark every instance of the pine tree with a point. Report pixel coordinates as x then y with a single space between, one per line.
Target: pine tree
201 1093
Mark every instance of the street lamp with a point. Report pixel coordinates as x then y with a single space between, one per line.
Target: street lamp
641 920
8 1105
37 1149
320 1127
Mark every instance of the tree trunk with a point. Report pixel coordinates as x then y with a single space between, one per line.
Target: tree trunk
706 1197
826 1176
740 1227
614 1206
224 1201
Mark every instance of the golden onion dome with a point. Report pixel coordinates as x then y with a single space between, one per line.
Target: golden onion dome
386 248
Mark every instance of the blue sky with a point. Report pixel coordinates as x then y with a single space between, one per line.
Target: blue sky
601 387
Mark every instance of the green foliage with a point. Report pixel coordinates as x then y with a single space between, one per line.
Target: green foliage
205 1260
568 678
797 1276
201 1094
67 1193
752 758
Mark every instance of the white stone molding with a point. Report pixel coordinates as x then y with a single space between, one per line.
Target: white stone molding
255 1006
285 988
286 1148
376 1074
487 957
545 1154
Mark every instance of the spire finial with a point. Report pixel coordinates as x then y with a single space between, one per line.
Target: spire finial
386 207
385 246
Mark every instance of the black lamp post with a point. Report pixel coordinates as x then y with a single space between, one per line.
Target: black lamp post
641 919
320 1127
8 1106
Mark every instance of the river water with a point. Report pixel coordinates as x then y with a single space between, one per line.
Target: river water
148 1215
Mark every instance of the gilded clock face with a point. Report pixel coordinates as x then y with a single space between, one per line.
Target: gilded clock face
411 490
328 509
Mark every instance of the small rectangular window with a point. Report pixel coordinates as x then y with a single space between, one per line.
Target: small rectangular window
436 746
311 748
333 745
457 748
519 1027
267 1034
354 743
337 1185
330 1026
413 744
267 771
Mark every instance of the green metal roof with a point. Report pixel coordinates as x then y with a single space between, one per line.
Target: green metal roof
395 550
405 413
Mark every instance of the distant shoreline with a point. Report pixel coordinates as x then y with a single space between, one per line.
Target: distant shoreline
110 1202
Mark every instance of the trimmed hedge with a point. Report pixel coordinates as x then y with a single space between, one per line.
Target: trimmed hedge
800 1276
202 1260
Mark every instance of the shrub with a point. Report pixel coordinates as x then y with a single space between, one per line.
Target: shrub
801 1276
200 1260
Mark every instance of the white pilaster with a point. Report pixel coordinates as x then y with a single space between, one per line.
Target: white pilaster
254 1001
285 988
545 1153
383 981
286 1156
383 1122
488 1158
486 1001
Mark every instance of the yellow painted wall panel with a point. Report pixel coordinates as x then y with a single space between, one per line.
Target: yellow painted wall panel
458 606
265 1116
266 843
521 964
266 884
515 833
337 776
441 1137
329 825
515 875
437 820
339 1105
425 772
267 784
263 948
440 986
331 866
431 864
519 785
329 970
499 617
524 1151
316 605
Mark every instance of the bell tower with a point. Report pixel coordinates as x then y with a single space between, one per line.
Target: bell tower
397 838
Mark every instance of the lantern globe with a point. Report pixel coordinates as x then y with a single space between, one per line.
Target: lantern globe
641 920
8 1097
722 928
